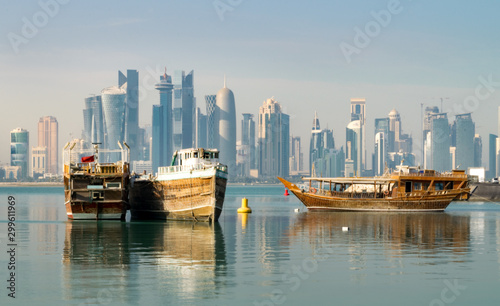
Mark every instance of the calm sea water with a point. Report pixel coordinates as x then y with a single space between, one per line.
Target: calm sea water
274 256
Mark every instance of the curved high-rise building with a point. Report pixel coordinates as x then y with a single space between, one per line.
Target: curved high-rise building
19 154
226 118
113 106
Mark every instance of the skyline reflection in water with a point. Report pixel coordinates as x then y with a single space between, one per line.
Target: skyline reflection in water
384 258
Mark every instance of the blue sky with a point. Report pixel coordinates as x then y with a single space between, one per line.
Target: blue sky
287 49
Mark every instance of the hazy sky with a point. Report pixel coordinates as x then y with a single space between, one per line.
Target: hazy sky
310 55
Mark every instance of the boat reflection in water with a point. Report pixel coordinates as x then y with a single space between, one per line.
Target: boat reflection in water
169 258
398 233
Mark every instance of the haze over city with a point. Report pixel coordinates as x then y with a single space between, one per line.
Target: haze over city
309 56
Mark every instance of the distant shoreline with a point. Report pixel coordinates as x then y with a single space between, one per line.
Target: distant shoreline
31 184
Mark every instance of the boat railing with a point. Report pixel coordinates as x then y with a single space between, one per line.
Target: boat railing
97 168
435 174
187 168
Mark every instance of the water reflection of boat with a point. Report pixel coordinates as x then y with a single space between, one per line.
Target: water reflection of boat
401 231
114 257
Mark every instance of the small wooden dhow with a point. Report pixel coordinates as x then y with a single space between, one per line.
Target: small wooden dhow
192 189
96 190
405 189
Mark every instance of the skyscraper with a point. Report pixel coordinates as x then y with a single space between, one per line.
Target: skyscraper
274 133
183 110
38 161
162 129
296 155
464 131
226 117
212 134
354 140
438 143
358 112
380 153
48 133
248 138
321 142
93 120
131 133
19 150
492 156
201 129
478 151
113 105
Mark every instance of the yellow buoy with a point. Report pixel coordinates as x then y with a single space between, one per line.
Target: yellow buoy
244 209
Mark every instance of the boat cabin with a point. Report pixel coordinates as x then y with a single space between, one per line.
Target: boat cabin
188 157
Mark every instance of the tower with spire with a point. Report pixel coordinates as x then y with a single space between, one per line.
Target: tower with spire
162 147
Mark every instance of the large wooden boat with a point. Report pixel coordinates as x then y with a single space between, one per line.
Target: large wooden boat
93 189
406 189
192 189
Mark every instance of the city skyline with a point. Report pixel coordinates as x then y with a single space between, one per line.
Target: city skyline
421 55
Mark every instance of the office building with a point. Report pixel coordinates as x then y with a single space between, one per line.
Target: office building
478 151
19 151
48 133
380 154
296 156
183 113
273 140
131 133
358 112
463 132
38 161
113 106
212 126
93 120
248 139
201 129
226 117
322 141
437 145
354 141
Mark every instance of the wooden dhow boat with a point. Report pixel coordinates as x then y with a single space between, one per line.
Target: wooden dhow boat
95 190
192 188
405 189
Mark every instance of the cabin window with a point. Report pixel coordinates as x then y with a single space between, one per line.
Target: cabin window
195 154
216 154
407 186
439 186
417 186
114 185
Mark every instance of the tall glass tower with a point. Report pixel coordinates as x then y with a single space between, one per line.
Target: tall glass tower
212 133
354 139
131 133
19 150
183 110
439 143
113 105
274 140
464 130
48 137
248 138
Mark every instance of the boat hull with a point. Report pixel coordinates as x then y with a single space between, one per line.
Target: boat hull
417 203
88 198
197 196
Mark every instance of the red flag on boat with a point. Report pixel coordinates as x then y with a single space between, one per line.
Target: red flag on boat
88 159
